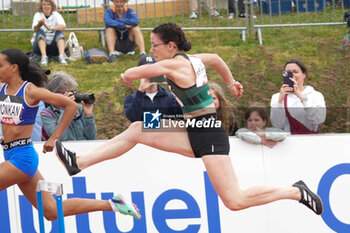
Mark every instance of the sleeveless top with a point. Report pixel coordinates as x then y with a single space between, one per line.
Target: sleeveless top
14 109
198 96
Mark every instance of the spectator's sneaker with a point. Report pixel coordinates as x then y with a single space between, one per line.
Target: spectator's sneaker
62 60
113 57
193 15
130 53
231 15
215 14
243 15
142 53
119 204
67 158
308 198
44 61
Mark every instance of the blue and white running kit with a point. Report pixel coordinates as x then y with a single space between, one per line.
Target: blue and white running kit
14 110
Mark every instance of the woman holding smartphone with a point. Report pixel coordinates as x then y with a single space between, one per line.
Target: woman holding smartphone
297 109
187 78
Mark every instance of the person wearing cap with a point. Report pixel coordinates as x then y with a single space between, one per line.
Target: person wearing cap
150 96
122 31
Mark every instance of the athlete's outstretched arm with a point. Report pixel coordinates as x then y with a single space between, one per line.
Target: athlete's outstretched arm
59 101
219 65
147 71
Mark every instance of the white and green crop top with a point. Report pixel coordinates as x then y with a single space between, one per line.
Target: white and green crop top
198 96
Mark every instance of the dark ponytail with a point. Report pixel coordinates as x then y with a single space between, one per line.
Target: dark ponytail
172 32
186 45
28 70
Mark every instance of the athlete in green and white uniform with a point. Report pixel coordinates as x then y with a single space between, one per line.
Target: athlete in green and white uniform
197 103
187 77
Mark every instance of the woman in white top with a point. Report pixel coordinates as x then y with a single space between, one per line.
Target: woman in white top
299 109
48 26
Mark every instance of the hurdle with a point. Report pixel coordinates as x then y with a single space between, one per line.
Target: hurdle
57 190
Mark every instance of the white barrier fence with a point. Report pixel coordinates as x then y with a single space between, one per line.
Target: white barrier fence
175 195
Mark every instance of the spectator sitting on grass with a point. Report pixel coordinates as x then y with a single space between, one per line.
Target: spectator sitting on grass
48 26
122 30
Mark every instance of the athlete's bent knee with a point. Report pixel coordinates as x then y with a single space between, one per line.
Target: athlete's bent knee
134 130
135 126
50 215
235 205
50 211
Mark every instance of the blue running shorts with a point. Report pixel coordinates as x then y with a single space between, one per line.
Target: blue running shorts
24 157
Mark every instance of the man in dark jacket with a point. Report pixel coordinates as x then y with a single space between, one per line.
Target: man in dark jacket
150 96
122 31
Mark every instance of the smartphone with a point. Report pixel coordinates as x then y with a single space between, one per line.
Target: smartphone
159 79
287 74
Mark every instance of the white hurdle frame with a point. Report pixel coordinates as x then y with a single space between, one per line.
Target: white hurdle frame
57 190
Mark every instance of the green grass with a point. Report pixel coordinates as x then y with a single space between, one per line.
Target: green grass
257 67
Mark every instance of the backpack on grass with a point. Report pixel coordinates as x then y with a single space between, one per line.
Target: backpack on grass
96 55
